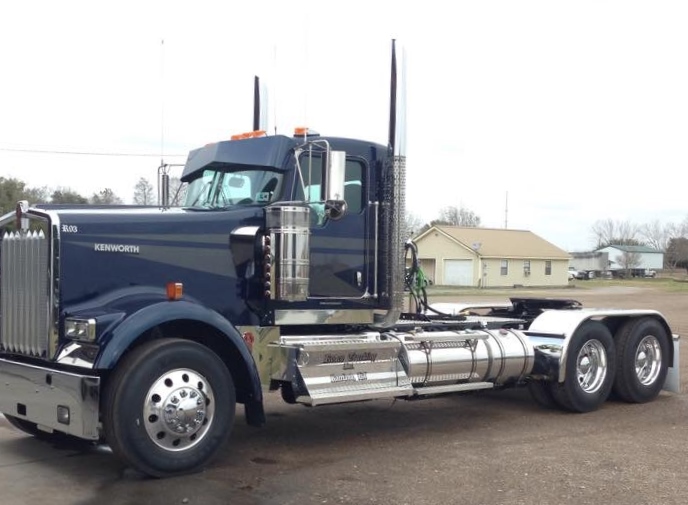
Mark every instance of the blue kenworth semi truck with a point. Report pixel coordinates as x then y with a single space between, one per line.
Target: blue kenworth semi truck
284 270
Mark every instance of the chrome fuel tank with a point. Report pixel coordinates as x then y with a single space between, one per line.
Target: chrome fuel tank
447 357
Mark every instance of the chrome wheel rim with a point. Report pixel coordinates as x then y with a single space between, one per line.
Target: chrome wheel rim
178 409
591 366
648 360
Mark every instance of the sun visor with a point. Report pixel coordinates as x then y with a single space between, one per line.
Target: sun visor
269 152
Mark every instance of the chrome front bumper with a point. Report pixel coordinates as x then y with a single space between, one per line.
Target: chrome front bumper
36 394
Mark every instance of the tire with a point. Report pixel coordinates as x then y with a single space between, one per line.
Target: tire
147 404
541 392
590 366
642 357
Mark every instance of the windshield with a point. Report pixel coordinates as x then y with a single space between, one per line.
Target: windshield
219 188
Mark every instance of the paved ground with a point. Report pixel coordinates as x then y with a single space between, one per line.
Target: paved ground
488 448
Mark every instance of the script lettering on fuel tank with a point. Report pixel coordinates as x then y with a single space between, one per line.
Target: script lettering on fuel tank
333 359
362 356
330 359
349 377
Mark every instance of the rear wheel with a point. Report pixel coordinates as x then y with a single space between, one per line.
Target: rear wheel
642 354
169 407
589 367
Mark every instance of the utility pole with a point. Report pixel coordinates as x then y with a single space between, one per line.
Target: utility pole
506 211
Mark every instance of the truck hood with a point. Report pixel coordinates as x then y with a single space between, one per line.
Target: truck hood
102 250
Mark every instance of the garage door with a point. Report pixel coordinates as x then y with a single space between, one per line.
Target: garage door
458 272
428 267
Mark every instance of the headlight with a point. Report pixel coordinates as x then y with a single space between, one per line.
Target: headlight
80 329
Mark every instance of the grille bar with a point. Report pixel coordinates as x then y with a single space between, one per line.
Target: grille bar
24 293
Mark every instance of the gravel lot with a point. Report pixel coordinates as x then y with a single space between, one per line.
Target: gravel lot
487 448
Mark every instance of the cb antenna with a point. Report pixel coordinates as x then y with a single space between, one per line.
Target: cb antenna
162 101
163 169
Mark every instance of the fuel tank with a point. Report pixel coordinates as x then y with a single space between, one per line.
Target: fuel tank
499 356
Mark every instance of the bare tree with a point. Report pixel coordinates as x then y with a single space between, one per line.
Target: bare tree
413 224
676 254
459 216
177 191
143 192
628 261
609 232
105 197
657 235
682 229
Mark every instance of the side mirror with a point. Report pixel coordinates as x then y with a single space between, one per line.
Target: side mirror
336 165
335 204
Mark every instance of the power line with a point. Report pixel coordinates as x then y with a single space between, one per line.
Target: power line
84 153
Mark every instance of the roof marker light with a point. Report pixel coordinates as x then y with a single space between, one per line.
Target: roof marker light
248 135
304 131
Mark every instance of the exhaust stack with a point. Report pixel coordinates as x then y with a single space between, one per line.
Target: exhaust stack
393 206
260 106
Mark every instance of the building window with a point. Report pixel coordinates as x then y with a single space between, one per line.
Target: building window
505 268
548 267
526 267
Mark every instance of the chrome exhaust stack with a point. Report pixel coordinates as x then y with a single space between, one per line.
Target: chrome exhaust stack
393 205
260 106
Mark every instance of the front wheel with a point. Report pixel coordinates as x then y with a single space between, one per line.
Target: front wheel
169 407
589 367
642 352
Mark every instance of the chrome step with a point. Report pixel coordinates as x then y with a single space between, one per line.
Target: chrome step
452 388
321 398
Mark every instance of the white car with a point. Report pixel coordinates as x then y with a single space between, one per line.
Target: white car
577 274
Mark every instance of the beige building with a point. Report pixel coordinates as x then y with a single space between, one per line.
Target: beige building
486 257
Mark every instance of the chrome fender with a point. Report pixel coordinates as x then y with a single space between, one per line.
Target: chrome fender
554 328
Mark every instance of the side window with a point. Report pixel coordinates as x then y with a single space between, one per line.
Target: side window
504 270
354 189
311 169
353 186
548 267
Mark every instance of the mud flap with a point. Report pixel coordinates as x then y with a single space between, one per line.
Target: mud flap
673 379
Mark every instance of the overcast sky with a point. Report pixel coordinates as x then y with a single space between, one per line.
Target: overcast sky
577 110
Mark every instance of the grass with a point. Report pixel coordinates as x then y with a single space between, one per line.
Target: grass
660 283
667 284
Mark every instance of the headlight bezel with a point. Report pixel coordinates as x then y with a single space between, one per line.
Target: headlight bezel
79 328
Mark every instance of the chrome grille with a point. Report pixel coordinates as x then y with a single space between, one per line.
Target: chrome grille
24 293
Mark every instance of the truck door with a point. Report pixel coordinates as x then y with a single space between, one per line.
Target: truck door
338 262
